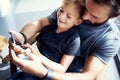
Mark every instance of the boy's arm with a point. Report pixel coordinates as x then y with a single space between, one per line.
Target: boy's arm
59 67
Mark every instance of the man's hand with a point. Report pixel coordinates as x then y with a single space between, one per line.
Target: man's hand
16 38
32 66
19 39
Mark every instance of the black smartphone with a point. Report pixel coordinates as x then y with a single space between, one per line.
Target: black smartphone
13 38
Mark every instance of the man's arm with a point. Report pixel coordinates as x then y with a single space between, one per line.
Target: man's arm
34 27
91 70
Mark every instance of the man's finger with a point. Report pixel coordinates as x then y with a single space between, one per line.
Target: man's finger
17 37
15 59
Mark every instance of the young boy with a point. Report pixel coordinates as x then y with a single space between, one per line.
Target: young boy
61 43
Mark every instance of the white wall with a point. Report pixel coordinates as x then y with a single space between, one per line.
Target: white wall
28 10
4 7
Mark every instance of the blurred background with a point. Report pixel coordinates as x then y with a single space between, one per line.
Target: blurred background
14 14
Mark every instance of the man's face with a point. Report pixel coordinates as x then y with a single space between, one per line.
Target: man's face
95 14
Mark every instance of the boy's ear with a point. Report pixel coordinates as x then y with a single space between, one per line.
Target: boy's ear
79 22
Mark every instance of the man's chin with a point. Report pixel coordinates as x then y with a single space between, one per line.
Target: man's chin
88 23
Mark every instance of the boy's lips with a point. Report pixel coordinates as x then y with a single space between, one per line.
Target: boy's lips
61 22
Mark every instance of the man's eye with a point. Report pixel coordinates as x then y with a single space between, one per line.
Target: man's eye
95 17
68 16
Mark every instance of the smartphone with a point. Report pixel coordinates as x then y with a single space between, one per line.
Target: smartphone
13 38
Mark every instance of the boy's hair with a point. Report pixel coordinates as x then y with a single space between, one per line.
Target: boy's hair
79 4
114 4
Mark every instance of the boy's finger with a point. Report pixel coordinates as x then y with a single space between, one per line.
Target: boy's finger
29 47
28 53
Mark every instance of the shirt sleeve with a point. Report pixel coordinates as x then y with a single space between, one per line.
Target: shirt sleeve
52 18
73 47
108 47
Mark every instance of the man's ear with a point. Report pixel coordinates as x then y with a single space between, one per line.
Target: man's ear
79 22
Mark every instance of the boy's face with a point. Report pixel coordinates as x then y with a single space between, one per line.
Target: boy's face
68 16
95 13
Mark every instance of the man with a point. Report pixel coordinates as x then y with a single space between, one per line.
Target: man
99 42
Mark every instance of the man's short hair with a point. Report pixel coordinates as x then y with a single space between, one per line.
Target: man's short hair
114 4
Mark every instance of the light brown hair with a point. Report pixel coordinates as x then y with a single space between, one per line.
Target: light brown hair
78 3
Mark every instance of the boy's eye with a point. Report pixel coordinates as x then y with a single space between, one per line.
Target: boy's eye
61 10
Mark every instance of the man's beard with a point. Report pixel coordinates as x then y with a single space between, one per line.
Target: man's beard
89 23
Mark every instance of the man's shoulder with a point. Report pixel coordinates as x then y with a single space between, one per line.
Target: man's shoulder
111 37
113 30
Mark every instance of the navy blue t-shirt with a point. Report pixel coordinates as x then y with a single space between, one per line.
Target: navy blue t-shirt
55 45
102 42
